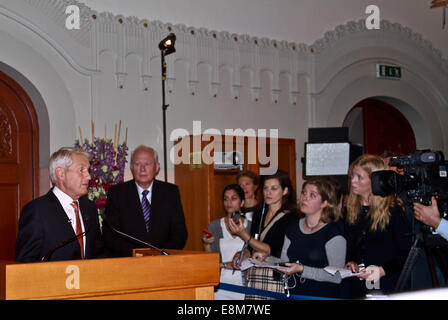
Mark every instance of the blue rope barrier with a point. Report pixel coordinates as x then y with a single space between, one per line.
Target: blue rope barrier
266 293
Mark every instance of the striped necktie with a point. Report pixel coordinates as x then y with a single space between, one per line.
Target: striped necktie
75 205
146 207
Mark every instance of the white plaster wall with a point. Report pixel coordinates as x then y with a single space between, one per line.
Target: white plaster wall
35 66
344 74
226 80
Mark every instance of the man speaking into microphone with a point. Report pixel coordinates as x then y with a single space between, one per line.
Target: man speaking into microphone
63 224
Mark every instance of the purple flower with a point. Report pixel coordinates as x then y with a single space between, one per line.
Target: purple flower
106 167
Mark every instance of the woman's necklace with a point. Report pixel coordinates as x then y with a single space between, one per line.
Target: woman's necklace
312 228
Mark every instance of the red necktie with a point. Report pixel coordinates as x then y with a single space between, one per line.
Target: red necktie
78 227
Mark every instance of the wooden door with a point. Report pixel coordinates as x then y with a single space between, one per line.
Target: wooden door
385 128
19 155
201 185
286 157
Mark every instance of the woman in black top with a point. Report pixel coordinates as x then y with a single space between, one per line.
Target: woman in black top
377 231
269 227
270 223
315 242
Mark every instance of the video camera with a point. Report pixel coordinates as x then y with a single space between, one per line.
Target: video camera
425 176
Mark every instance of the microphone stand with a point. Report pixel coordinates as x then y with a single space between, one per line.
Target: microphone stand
164 107
48 255
129 237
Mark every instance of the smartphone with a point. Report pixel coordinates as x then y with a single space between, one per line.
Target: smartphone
207 233
236 217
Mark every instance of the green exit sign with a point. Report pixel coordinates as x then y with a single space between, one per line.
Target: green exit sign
388 72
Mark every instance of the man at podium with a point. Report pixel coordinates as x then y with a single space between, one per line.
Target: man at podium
63 224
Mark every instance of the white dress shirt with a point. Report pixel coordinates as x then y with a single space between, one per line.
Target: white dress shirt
66 202
442 229
140 190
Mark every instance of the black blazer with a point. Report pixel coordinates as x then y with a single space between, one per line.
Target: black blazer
43 224
167 227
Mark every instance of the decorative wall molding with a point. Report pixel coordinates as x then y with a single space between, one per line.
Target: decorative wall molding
125 36
122 36
352 28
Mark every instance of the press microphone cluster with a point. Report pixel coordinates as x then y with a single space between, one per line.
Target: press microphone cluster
131 238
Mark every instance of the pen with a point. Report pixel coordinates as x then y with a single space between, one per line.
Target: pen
240 256
238 261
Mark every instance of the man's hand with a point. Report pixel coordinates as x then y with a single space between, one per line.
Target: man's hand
429 215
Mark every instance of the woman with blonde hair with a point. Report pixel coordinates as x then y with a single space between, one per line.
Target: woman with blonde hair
376 229
249 182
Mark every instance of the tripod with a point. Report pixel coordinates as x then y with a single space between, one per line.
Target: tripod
435 248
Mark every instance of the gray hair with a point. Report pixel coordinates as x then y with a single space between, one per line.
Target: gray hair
63 159
143 147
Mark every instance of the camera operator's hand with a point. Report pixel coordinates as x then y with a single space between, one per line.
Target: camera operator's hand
429 215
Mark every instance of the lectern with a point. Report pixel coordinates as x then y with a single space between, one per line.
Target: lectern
182 275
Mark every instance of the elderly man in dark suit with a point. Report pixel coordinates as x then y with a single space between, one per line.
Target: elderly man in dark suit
144 208
61 214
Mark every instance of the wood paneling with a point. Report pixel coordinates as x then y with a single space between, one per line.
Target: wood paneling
201 185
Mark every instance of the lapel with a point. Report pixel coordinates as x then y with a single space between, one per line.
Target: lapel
157 200
155 194
84 212
60 217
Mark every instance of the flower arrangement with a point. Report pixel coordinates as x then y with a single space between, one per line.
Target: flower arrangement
107 164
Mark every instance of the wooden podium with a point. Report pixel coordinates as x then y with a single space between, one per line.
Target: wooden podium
182 275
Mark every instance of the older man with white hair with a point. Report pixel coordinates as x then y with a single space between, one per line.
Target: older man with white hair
144 208
63 214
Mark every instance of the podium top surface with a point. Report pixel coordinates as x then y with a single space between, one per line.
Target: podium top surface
90 278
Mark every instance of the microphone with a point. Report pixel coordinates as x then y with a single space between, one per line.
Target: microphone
48 255
131 238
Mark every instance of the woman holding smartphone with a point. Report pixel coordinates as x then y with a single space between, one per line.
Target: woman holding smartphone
268 230
218 237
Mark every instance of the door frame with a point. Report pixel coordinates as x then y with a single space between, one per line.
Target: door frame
34 123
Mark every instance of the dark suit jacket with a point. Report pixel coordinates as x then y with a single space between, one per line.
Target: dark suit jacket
124 212
43 224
